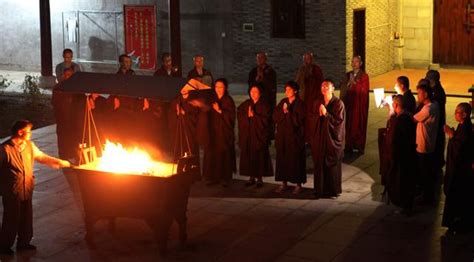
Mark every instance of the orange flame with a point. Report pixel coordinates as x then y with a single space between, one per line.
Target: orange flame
117 159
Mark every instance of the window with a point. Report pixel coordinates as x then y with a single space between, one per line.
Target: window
288 20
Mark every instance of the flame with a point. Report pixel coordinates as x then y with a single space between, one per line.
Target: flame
117 159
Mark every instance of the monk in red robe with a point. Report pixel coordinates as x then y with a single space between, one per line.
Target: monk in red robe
356 100
309 78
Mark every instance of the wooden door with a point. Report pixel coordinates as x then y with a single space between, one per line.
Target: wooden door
358 34
453 32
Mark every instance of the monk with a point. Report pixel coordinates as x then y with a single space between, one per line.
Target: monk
402 87
459 177
219 155
254 119
264 75
439 96
356 100
289 117
401 157
327 142
309 78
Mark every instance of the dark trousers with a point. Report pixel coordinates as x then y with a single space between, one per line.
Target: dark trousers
427 175
17 220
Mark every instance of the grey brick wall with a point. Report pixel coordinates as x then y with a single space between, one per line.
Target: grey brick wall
325 37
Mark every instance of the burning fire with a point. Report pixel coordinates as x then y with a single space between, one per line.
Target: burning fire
117 159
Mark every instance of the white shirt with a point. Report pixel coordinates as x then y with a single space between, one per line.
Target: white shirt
427 127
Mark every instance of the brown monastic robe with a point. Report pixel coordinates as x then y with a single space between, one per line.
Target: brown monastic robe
289 141
254 139
459 179
219 155
327 147
400 180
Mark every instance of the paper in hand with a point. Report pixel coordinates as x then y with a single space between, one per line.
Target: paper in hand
379 94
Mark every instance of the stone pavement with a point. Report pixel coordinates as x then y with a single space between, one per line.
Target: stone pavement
239 224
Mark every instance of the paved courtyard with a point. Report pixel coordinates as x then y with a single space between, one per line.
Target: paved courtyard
238 224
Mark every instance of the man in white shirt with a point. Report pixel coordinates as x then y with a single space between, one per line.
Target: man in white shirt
426 132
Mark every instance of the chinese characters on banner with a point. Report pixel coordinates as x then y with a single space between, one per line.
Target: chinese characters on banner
140 34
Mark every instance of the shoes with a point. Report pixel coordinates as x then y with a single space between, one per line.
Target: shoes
250 183
259 184
280 189
6 251
297 190
25 247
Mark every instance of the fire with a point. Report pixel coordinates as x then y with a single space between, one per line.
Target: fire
117 159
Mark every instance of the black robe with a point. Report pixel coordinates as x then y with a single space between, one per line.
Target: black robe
459 179
410 106
219 155
269 83
184 132
400 180
440 96
409 102
290 141
69 113
327 146
254 139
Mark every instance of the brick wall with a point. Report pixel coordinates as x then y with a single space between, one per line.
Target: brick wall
325 37
382 18
418 33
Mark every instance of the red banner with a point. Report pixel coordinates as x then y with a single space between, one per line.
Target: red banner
140 35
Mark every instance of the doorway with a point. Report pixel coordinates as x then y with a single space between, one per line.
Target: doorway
358 34
453 32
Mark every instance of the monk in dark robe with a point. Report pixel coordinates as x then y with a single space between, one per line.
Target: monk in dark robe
167 68
402 87
183 119
327 142
355 92
459 177
254 119
199 72
440 97
187 130
289 117
401 157
219 155
264 75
